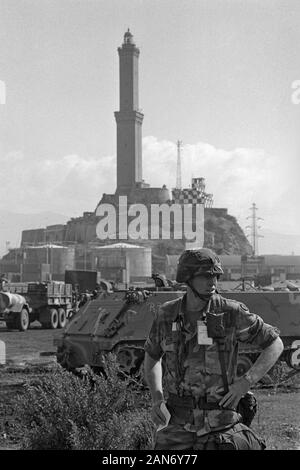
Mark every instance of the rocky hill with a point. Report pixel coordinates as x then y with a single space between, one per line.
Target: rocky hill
223 234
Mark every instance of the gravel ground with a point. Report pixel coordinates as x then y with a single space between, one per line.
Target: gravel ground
27 345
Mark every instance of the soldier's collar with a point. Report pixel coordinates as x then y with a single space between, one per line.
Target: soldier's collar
182 309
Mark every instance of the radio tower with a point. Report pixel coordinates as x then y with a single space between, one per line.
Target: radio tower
178 175
254 229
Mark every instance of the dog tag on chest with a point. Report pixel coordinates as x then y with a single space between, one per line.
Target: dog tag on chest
202 336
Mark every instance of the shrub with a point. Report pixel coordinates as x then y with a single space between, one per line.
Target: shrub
63 411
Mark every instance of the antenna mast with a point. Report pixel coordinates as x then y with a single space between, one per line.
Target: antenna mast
178 175
254 229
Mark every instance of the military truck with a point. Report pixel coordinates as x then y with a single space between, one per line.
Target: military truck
119 323
14 310
51 303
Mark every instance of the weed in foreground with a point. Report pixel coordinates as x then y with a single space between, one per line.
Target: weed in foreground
63 411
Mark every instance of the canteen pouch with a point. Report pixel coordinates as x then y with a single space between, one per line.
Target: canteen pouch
215 325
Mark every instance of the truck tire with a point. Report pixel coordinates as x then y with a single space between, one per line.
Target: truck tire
62 318
53 318
244 363
22 321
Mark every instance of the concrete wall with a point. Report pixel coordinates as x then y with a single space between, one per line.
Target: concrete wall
81 229
55 233
33 236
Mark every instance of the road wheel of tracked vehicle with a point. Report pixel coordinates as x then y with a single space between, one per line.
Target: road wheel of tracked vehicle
11 325
129 359
53 320
293 356
22 321
243 364
62 318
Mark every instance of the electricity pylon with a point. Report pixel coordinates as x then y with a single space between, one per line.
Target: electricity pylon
254 229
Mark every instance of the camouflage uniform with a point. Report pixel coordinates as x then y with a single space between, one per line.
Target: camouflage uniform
192 375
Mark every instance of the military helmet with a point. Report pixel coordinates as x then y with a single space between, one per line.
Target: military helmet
198 261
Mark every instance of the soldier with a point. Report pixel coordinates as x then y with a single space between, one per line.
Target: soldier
195 385
3 283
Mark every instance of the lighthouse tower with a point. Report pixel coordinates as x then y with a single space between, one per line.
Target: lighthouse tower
129 119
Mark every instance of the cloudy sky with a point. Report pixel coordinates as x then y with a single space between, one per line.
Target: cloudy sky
216 74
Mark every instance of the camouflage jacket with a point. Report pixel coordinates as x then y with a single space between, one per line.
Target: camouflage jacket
194 370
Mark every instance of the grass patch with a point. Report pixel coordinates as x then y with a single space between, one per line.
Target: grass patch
278 419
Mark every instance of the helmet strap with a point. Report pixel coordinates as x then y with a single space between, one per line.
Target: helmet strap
200 296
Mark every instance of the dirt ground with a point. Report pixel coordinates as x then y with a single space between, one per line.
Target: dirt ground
32 352
27 354
27 345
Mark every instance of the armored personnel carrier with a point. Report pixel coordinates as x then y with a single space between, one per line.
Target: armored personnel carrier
119 322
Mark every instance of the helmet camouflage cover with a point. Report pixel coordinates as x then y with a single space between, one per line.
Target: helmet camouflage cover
197 261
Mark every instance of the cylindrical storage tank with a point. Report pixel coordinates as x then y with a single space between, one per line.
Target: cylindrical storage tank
110 257
140 261
123 255
35 255
59 258
62 258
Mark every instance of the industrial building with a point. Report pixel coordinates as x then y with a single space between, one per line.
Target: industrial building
38 263
268 268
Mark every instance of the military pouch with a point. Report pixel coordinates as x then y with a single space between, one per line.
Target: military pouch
215 325
247 408
239 437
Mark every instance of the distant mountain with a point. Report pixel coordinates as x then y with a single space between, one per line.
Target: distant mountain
12 224
274 243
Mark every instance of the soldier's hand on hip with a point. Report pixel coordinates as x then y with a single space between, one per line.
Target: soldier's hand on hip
236 390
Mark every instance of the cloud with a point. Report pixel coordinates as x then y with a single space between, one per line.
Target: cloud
70 185
236 178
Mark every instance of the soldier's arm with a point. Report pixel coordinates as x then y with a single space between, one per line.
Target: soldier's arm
252 329
264 362
153 376
261 366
